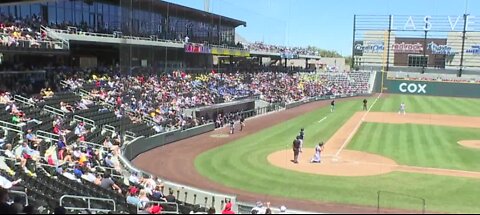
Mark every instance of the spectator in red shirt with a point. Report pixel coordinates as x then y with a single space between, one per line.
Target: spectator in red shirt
228 209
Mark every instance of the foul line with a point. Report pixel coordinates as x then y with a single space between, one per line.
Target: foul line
357 126
324 118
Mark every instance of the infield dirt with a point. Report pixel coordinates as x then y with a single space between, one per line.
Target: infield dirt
175 162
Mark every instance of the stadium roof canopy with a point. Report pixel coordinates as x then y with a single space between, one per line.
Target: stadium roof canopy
159 5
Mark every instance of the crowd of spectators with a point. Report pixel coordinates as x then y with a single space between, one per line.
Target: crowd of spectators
15 32
260 46
164 99
161 98
76 159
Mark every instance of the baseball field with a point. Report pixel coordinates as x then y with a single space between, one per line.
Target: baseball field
243 163
431 153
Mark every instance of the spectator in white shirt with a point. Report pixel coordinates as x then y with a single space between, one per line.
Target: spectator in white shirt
7 184
134 178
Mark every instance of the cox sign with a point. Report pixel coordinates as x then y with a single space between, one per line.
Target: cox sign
413 88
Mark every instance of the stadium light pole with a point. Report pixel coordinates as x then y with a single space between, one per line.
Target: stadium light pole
465 16
425 60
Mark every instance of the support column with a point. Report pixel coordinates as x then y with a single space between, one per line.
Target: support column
306 63
388 42
465 16
286 62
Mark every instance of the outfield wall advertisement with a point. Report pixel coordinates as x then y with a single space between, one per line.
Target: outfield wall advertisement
432 88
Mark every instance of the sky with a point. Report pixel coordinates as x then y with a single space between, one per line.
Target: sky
327 24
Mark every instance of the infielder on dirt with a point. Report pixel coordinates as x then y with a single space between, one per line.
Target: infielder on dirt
317 158
242 123
301 135
232 126
296 149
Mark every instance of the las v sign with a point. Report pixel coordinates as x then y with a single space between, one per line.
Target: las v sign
427 23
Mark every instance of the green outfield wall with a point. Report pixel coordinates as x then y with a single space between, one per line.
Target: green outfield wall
432 88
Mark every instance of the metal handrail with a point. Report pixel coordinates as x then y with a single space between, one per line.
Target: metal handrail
88 202
47 135
161 204
54 111
84 92
83 119
11 129
64 83
83 33
131 134
49 31
109 128
10 125
126 164
20 193
93 144
21 99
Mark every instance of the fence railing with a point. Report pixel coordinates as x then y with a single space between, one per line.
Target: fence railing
130 134
54 111
184 193
84 93
381 193
84 120
11 126
33 44
89 203
64 84
168 207
10 129
52 34
260 111
19 193
109 128
116 35
47 136
21 99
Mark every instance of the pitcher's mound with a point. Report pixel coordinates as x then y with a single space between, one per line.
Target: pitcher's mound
350 163
475 144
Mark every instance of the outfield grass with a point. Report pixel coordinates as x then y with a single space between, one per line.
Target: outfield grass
243 164
430 104
419 145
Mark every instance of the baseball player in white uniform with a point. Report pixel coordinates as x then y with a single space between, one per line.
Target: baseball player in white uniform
402 109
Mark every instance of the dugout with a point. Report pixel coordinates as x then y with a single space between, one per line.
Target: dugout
211 112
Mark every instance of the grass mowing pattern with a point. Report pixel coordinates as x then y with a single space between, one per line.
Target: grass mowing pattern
419 145
429 104
243 164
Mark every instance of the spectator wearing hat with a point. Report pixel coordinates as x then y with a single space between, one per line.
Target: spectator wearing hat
132 197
